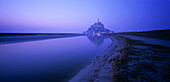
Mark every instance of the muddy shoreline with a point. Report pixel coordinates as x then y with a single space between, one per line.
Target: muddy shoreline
103 68
140 61
128 60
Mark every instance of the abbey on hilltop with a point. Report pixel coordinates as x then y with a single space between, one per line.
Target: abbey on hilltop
97 29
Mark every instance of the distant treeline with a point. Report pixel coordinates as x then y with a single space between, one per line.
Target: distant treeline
159 34
22 34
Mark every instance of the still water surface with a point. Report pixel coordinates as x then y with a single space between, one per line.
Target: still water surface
49 60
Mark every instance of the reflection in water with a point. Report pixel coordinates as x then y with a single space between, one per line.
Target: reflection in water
97 39
50 60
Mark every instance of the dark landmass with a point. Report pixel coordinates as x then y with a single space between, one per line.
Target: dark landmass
159 34
22 34
6 38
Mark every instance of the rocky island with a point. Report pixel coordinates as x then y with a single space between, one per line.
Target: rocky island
97 29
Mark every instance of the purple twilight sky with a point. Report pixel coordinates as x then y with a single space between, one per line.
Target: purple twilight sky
77 15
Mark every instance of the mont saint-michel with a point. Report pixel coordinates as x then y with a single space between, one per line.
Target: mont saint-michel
97 29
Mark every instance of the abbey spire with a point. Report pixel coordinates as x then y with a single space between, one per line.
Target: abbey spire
98 20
